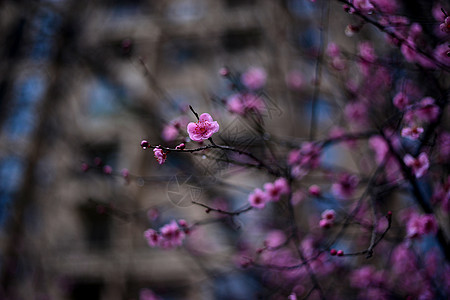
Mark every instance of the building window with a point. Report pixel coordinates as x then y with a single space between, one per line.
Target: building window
97 226
237 3
238 40
86 290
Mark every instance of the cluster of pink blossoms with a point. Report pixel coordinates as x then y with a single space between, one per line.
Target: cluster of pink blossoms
272 192
160 155
169 236
203 129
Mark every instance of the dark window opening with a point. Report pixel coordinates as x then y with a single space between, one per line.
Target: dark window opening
86 290
236 3
97 226
237 40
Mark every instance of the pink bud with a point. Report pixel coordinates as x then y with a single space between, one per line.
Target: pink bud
333 252
340 253
107 170
84 167
144 144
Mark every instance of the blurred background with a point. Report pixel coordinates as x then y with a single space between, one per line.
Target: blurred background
83 82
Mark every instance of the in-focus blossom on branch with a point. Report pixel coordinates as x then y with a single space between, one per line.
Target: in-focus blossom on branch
418 165
254 78
203 129
258 199
160 155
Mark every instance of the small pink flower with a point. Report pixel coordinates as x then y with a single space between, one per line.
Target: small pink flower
418 165
294 80
244 103
147 294
329 214
274 238
276 189
363 5
125 174
324 223
254 78
152 237
442 53
428 110
367 52
380 147
445 26
107 170
419 225
345 187
315 190
169 133
356 112
160 155
333 50
412 132
401 101
258 199
203 129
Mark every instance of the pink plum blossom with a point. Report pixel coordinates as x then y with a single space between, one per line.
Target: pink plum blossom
356 112
412 132
329 214
333 50
294 80
401 101
380 147
274 238
244 103
315 190
203 129
418 165
258 199
254 78
419 225
345 187
441 53
160 155
152 237
428 110
276 189
365 6
147 294
445 26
